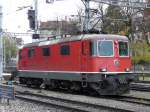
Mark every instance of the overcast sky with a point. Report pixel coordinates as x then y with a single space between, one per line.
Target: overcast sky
16 21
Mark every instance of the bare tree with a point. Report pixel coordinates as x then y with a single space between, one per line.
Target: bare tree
129 14
96 17
80 17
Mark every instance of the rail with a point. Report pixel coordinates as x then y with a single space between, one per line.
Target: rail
71 104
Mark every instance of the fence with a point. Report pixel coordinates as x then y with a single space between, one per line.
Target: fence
7 92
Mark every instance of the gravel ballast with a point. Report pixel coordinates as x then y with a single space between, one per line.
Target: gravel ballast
23 106
93 100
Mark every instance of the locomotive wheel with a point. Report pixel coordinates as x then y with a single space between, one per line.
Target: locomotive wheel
28 84
106 87
104 84
54 85
113 85
75 86
64 84
47 87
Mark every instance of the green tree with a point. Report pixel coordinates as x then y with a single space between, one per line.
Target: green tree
114 20
10 48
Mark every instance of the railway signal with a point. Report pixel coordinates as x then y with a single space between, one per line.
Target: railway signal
31 17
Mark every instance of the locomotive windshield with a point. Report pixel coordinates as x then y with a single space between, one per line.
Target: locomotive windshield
123 49
105 48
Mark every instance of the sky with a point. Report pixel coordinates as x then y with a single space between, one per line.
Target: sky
16 21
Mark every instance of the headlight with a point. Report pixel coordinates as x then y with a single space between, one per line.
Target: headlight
103 70
127 69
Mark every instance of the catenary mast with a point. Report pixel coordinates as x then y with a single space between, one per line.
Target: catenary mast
1 44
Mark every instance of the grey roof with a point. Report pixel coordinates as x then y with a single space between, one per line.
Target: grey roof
76 38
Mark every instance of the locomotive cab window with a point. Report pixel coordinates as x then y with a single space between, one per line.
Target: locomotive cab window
31 52
105 48
45 51
65 50
123 49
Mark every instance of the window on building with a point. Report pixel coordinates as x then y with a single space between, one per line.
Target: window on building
65 50
45 51
31 52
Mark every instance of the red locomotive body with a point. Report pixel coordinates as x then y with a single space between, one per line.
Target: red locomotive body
100 62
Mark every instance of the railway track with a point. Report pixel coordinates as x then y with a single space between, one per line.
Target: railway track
50 104
67 104
81 105
146 82
134 100
141 87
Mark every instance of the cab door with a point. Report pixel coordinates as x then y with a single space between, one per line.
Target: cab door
85 53
31 58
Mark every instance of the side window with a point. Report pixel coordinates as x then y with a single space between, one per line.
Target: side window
45 51
65 50
20 54
31 52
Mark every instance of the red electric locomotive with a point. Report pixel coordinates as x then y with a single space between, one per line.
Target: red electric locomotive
97 61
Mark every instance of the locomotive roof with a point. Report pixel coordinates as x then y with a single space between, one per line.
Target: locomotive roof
76 38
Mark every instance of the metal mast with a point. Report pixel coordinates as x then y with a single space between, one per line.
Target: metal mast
1 45
87 16
36 16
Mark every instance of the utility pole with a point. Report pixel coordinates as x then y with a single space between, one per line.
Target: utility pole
36 16
33 20
1 45
87 15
